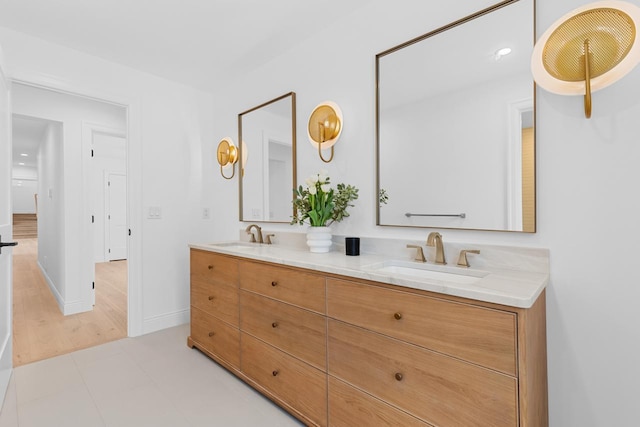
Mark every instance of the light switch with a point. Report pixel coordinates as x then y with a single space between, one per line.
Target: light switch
155 212
205 213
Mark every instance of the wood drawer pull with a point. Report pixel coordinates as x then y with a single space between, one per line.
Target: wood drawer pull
398 376
211 334
274 325
274 283
398 316
275 373
211 297
210 267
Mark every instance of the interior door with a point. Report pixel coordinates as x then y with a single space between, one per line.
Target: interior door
6 234
117 216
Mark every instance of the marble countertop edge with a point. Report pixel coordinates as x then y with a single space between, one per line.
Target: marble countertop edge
508 287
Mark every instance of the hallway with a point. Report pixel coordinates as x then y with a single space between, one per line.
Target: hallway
40 331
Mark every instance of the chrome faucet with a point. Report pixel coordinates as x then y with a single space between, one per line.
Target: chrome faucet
259 233
435 239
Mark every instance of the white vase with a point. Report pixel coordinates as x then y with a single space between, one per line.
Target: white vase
319 239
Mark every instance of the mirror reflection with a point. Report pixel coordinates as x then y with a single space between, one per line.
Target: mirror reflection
455 125
268 160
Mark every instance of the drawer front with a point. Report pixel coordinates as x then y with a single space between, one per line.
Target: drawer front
218 300
297 384
298 332
349 407
215 336
213 268
436 388
477 334
284 284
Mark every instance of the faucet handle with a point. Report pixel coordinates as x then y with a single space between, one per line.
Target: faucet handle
268 237
462 259
419 253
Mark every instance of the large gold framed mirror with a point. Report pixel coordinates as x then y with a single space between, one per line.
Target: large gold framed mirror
455 125
267 146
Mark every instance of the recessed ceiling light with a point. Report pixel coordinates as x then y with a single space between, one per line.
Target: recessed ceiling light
501 52
24 154
21 163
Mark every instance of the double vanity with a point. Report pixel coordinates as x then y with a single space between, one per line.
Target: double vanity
378 340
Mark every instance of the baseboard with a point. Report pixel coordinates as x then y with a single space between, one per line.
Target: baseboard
164 321
66 308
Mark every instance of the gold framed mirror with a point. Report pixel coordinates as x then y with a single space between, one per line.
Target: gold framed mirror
267 142
460 103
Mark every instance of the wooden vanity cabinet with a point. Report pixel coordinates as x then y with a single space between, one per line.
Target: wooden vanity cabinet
215 311
338 351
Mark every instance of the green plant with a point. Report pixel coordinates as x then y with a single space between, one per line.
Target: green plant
383 197
320 204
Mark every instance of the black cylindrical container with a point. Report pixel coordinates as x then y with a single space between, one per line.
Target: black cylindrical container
352 246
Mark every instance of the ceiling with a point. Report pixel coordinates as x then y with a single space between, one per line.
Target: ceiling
196 42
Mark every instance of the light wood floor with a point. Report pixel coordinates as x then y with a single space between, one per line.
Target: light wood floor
40 331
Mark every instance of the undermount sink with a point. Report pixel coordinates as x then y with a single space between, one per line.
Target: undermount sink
427 271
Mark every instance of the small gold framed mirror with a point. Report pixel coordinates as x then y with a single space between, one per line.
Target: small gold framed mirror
227 154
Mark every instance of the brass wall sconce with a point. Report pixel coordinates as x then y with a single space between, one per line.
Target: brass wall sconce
325 127
227 154
587 50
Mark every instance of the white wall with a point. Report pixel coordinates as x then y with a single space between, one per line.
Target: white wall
67 190
167 125
24 186
588 202
51 209
22 195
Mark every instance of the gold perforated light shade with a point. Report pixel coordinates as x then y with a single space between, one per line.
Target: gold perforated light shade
610 33
324 127
227 155
606 29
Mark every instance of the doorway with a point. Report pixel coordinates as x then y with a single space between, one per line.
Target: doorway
62 276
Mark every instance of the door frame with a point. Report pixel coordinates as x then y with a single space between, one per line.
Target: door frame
132 106
6 342
89 129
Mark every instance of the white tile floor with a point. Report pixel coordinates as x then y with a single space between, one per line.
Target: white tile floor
153 380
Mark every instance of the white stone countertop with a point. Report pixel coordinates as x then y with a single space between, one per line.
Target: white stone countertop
515 287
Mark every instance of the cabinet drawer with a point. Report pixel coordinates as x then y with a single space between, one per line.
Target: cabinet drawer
298 332
212 268
349 407
295 383
215 336
284 284
218 300
436 388
477 334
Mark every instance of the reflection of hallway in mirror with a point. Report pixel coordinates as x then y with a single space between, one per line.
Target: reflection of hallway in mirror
40 331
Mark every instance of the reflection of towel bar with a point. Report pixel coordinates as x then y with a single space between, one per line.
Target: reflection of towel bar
462 215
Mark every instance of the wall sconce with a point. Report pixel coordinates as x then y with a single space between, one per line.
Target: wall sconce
227 155
325 127
587 50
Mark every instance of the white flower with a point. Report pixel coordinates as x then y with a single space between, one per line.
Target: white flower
325 187
323 175
312 190
312 179
310 182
